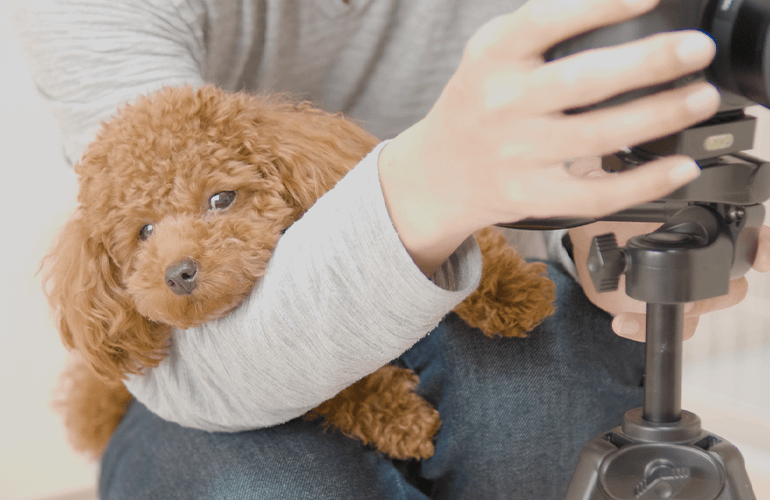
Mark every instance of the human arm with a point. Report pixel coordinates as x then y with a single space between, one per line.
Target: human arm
88 57
340 298
84 65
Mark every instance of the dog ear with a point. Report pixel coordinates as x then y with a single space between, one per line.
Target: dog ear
95 315
314 150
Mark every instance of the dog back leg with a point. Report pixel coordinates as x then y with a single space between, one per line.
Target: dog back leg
382 410
514 296
92 407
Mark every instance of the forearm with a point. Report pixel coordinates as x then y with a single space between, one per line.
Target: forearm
427 222
341 298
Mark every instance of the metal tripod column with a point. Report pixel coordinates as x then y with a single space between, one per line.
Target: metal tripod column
663 373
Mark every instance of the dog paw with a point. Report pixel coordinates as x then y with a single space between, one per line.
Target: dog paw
383 411
409 434
513 297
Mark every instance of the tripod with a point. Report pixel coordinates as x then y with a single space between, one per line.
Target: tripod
709 232
661 451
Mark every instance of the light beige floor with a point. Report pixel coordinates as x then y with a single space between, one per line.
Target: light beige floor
38 192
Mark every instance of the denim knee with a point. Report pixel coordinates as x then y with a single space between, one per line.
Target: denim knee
149 458
516 412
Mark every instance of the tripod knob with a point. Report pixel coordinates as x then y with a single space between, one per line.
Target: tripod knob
662 480
606 262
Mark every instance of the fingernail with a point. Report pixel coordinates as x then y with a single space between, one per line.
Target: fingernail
762 263
685 172
696 47
595 174
702 100
627 328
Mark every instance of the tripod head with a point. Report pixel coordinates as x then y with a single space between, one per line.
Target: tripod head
710 226
721 212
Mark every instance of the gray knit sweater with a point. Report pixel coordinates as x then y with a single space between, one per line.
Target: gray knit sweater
341 296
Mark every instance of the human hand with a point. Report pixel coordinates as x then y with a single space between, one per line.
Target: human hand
494 146
629 314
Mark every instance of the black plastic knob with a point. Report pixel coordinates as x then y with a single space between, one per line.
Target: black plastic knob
606 262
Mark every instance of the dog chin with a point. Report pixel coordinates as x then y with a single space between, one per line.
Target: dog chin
184 313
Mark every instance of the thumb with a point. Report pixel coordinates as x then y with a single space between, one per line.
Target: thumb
633 326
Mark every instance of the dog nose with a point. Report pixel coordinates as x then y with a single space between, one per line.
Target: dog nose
180 277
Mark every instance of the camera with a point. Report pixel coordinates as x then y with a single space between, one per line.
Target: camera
741 29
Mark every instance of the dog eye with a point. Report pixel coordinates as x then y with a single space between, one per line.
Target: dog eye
222 200
146 232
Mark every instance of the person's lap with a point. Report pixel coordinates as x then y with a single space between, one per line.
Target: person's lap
149 458
515 414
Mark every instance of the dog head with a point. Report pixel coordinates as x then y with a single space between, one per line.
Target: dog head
183 197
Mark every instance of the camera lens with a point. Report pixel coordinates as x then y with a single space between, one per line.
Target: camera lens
741 29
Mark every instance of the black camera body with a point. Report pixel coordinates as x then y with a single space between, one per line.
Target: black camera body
741 29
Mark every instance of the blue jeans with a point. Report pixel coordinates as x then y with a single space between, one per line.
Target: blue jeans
515 414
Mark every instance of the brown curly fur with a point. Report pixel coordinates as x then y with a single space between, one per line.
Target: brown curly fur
159 161
382 409
513 297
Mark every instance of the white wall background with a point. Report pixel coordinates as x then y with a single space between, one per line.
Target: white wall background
38 192
727 364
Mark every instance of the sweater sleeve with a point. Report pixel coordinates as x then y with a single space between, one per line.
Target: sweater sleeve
341 298
88 57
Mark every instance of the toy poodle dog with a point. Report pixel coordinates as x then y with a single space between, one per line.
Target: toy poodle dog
183 196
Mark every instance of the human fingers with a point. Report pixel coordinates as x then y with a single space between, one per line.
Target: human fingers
540 24
762 260
607 130
597 75
633 326
561 194
736 292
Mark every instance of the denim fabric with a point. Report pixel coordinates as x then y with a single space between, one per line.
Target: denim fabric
149 458
515 415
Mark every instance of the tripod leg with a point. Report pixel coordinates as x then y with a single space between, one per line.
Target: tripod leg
585 482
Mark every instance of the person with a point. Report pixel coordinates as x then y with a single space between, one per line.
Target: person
478 137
